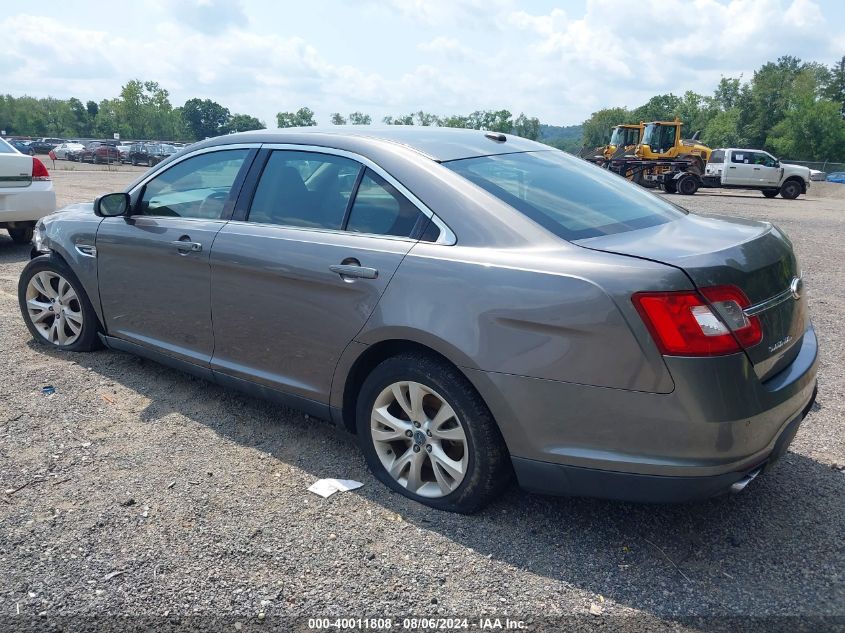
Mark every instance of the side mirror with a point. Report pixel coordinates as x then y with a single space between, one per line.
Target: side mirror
112 205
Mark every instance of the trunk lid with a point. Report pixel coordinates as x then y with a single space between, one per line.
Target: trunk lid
717 250
15 170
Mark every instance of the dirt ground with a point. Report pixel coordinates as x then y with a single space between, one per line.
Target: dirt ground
135 489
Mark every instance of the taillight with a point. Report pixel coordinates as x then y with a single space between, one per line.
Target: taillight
39 171
684 323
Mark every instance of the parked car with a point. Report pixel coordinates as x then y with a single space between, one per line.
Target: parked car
22 146
123 150
44 145
68 150
149 153
836 176
733 168
99 152
26 192
817 175
470 304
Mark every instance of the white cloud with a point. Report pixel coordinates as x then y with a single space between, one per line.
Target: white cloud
443 56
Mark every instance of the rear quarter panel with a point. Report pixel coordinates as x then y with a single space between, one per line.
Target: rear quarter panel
560 315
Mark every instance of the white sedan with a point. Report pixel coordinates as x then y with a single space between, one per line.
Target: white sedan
68 151
26 192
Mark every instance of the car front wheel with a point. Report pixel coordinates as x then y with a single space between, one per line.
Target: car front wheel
427 434
790 190
54 306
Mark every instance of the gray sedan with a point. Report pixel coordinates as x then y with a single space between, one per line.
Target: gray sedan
471 305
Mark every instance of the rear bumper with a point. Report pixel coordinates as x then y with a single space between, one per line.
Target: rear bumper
718 425
560 479
26 204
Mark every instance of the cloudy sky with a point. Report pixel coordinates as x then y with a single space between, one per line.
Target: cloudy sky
558 60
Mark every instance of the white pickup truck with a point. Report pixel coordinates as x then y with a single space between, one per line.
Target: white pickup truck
734 168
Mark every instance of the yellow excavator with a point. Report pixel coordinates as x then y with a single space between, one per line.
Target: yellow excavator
623 139
662 157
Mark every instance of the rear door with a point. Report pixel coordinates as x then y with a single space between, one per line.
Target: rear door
739 169
296 278
153 266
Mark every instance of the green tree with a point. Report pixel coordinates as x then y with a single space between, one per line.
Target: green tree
204 118
407 119
727 93
359 118
337 119
455 120
835 89
598 127
426 119
723 130
303 117
527 127
243 123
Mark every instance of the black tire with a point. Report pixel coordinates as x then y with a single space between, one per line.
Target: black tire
134 162
96 159
21 235
88 339
687 185
488 462
670 186
770 193
790 190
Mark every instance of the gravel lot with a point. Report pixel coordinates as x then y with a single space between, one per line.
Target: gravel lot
140 490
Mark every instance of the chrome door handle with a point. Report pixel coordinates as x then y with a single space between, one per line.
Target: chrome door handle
354 270
182 245
731 167
756 169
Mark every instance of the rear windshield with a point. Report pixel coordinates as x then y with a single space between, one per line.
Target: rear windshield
718 156
570 197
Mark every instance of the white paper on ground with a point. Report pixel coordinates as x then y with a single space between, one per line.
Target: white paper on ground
327 487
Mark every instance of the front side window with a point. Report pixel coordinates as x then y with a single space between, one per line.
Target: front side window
380 209
304 189
569 197
197 187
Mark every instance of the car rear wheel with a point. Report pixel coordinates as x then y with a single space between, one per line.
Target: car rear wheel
770 193
426 433
54 306
21 235
790 190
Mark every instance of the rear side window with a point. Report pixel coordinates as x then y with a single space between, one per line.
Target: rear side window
742 158
5 148
569 197
717 156
304 189
380 209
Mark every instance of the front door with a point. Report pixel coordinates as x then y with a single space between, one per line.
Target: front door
297 280
153 265
765 172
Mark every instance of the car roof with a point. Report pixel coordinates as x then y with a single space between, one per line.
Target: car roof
437 143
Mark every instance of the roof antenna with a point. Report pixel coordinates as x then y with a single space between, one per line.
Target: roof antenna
496 136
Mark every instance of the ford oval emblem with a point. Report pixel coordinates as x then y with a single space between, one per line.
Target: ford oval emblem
796 286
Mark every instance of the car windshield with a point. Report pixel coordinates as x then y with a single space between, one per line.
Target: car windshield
624 136
571 198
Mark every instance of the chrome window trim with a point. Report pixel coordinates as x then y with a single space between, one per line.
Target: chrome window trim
318 229
446 237
163 167
205 150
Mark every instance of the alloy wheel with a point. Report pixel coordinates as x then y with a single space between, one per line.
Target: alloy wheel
54 308
419 439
